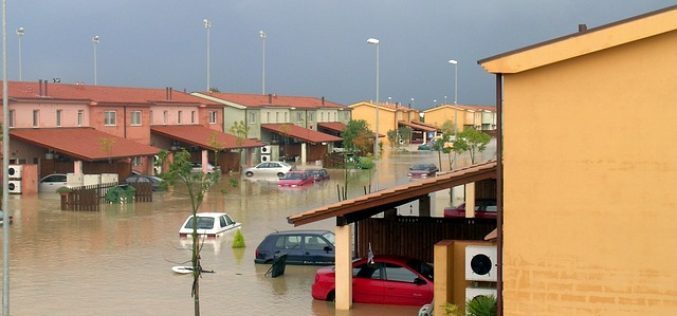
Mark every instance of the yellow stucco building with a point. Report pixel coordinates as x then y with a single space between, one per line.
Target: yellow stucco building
461 116
589 171
389 114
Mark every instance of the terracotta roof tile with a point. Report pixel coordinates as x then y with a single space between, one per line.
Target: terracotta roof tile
334 126
301 133
83 143
261 100
204 137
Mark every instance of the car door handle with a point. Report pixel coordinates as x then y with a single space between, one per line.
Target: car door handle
418 294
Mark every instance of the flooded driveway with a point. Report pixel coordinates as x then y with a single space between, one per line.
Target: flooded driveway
118 261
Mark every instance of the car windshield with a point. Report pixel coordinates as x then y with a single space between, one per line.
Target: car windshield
202 223
330 237
421 167
293 176
421 267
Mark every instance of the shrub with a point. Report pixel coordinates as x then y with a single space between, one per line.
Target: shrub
481 306
238 239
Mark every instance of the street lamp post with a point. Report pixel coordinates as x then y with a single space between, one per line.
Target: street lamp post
208 26
455 63
20 34
263 36
377 43
95 41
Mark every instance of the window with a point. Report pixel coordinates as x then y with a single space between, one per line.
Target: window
192 117
36 118
299 116
136 118
321 116
165 117
267 117
311 116
252 118
11 118
315 243
179 118
136 161
399 273
81 117
277 117
109 118
285 117
368 271
288 242
58 118
212 117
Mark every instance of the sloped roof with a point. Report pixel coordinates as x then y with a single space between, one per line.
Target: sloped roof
465 107
584 42
102 94
374 203
334 126
304 134
392 107
272 100
83 143
204 137
417 126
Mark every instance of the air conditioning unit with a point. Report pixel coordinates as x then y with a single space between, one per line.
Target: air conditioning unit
15 186
265 158
480 263
15 171
266 150
472 292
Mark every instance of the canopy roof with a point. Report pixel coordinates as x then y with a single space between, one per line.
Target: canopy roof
204 137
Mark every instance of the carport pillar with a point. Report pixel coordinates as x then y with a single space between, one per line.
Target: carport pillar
344 268
470 200
443 275
205 160
77 168
424 206
303 153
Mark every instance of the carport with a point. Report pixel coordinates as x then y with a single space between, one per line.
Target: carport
305 136
364 207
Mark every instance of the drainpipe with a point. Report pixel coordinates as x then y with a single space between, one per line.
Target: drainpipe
124 120
499 189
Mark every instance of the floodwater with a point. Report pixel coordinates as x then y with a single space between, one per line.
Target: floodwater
117 261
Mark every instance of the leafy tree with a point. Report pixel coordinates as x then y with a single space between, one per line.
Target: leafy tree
217 145
106 145
476 140
240 130
356 136
405 134
393 138
197 184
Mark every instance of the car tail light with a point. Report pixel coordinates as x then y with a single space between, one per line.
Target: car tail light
183 235
211 235
257 253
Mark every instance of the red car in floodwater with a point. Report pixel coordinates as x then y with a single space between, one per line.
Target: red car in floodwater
296 178
483 209
385 280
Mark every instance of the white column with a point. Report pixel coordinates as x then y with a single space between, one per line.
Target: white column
303 153
205 160
470 200
77 167
344 268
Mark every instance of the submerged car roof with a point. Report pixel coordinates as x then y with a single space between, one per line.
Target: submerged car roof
300 231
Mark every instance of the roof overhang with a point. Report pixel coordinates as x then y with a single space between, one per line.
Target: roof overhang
582 43
333 126
204 137
418 127
352 210
304 134
83 143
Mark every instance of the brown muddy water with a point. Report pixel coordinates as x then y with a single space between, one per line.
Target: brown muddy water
117 261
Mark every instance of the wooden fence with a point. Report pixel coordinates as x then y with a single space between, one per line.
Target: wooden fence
89 198
415 236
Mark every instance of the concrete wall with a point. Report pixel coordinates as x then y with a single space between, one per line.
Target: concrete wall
590 173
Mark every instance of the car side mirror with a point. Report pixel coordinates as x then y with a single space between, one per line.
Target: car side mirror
328 249
419 281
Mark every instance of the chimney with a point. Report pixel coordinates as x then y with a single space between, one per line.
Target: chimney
582 28
270 98
322 100
170 92
46 94
39 87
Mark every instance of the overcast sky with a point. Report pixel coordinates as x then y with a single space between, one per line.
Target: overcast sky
313 47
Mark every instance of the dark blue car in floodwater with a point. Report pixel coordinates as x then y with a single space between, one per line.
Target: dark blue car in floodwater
301 247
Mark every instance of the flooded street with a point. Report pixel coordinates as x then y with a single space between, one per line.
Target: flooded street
118 261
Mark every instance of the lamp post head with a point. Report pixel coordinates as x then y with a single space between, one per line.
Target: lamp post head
207 23
453 61
96 39
262 34
373 41
20 31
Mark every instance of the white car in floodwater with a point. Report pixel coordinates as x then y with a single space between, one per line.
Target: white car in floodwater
209 224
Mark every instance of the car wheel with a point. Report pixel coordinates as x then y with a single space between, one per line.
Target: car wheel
280 174
249 174
331 296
